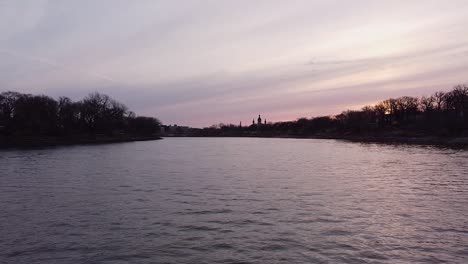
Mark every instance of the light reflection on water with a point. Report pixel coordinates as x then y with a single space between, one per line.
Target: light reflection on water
234 200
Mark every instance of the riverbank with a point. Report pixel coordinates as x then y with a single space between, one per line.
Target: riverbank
34 142
452 142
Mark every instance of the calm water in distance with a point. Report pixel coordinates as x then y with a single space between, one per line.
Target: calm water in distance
234 200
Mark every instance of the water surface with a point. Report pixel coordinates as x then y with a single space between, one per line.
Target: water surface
234 200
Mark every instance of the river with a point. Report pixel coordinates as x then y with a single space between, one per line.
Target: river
234 200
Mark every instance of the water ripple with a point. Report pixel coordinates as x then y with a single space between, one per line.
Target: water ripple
244 200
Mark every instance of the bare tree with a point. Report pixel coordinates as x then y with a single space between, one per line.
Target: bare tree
439 100
426 104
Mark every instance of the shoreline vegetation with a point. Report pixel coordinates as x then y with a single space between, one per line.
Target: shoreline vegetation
438 119
37 142
37 120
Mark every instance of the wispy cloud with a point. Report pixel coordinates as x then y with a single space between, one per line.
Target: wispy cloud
53 64
205 62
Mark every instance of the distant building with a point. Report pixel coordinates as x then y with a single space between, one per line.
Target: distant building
259 122
174 130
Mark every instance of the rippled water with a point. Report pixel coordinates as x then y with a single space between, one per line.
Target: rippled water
234 200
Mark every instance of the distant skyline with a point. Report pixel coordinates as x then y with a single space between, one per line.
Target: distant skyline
199 63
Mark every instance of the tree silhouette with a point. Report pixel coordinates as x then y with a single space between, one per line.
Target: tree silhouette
440 114
96 114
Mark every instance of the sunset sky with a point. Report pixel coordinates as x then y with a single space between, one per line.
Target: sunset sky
209 61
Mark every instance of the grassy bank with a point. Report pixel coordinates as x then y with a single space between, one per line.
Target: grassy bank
34 141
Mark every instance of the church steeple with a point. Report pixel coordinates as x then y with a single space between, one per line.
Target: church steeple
259 120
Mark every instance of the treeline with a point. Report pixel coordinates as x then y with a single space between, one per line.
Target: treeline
443 114
95 115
